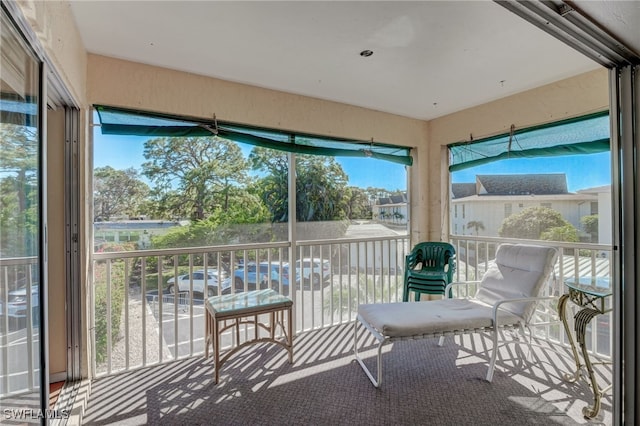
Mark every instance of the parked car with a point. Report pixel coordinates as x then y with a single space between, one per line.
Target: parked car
17 303
198 278
314 271
284 274
262 275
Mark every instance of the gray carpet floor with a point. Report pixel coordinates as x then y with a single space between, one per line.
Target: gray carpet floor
423 384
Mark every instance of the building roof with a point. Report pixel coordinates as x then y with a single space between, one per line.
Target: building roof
528 197
461 190
522 184
393 199
596 190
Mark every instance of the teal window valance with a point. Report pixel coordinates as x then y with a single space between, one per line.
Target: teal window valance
118 121
583 135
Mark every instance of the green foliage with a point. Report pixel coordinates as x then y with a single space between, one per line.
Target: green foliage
118 192
193 176
358 203
561 233
102 318
476 225
320 189
590 226
533 222
19 190
240 223
321 186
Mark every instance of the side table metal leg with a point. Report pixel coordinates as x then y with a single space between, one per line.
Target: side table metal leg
562 311
583 317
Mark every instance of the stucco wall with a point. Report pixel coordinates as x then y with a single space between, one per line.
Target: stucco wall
54 26
127 84
568 98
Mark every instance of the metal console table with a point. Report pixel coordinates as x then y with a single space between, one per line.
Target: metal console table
590 293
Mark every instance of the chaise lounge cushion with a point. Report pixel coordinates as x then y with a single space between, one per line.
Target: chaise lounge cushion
434 317
519 271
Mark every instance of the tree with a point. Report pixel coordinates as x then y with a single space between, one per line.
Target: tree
118 192
532 222
320 189
273 188
222 227
194 175
476 225
590 226
567 233
321 186
358 203
19 190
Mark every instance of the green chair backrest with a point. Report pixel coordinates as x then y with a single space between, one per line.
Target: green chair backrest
433 256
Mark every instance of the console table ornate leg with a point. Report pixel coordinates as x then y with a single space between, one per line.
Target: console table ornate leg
583 317
562 306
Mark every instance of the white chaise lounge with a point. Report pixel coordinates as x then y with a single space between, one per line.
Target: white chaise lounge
507 296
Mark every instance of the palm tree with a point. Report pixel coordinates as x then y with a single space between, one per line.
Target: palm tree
477 225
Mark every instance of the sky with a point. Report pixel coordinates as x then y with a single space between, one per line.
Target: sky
122 152
584 171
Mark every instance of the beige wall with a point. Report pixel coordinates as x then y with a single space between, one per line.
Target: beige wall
54 25
132 85
127 84
568 98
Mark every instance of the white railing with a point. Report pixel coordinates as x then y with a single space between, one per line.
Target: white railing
139 322
19 326
146 324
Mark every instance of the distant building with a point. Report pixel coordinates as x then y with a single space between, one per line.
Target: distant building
391 210
604 212
493 198
138 231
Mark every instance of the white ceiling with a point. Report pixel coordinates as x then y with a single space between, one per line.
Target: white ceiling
430 58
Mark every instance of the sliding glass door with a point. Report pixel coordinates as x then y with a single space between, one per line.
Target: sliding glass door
22 392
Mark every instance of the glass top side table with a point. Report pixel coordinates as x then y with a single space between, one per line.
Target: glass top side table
592 295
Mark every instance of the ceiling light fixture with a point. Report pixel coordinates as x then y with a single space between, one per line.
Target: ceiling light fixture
366 53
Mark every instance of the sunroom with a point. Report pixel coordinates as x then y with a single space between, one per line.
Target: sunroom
424 101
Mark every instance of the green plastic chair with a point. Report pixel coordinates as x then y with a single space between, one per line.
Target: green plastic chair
428 269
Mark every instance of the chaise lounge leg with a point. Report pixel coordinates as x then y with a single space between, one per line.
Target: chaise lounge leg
494 355
376 382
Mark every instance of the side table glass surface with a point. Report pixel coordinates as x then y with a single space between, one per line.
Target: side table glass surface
595 286
590 291
247 301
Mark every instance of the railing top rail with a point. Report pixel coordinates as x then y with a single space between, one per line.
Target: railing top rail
188 250
351 240
27 260
563 244
235 247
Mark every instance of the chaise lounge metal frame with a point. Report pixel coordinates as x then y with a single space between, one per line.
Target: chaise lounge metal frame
507 298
